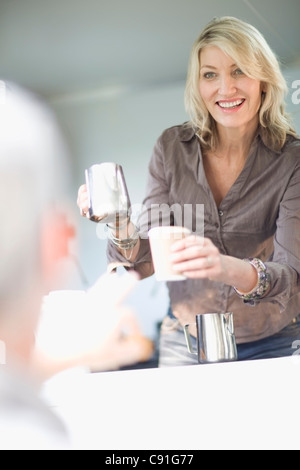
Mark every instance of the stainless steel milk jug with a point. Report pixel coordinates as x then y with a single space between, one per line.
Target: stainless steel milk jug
215 338
107 192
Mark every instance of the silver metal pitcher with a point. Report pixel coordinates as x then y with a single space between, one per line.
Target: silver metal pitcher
107 192
215 338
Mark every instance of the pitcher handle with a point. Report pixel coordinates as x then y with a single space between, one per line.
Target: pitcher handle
188 338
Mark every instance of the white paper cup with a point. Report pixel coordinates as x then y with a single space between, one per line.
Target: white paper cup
161 239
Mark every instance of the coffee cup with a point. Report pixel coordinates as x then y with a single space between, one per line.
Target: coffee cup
161 239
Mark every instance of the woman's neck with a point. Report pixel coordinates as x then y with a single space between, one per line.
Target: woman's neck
234 143
224 164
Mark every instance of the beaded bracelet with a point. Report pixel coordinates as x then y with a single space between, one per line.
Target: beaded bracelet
263 282
126 243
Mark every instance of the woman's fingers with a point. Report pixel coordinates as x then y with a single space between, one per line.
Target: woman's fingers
190 248
83 201
188 242
195 257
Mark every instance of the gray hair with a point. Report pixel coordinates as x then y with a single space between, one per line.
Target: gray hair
33 174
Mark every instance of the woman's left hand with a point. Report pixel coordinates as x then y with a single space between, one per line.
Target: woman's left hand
197 257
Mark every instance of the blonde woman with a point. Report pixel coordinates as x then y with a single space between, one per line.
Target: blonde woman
239 157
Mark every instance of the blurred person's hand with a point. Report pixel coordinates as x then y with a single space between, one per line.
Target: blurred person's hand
93 329
124 343
125 346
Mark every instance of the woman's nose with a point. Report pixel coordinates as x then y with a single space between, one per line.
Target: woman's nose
227 85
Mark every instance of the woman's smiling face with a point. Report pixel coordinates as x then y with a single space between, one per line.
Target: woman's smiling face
232 98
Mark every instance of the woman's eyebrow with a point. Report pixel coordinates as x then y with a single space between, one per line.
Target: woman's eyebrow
215 68
208 67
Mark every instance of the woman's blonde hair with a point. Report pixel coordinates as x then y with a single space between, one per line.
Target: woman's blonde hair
250 51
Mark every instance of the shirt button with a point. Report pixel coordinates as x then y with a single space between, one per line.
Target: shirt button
221 213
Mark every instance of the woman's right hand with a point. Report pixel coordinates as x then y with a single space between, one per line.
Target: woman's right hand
83 201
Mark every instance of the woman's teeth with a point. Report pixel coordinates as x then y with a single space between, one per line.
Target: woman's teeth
230 104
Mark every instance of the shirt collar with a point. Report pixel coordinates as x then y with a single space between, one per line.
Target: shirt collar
187 133
262 134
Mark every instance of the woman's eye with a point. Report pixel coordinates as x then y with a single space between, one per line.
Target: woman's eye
238 72
209 75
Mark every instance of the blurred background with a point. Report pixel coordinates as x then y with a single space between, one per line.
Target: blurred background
114 73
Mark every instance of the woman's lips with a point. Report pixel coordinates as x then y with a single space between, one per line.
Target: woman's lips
230 105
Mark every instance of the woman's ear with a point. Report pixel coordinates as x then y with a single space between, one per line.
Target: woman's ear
263 88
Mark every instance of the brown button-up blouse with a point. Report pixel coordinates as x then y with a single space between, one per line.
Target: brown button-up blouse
259 217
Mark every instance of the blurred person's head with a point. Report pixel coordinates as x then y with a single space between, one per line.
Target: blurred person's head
33 231
250 52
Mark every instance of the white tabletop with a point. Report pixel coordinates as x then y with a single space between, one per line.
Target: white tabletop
239 405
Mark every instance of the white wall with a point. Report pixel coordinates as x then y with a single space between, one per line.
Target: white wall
122 126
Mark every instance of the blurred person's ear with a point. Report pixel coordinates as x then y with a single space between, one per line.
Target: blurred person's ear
56 233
